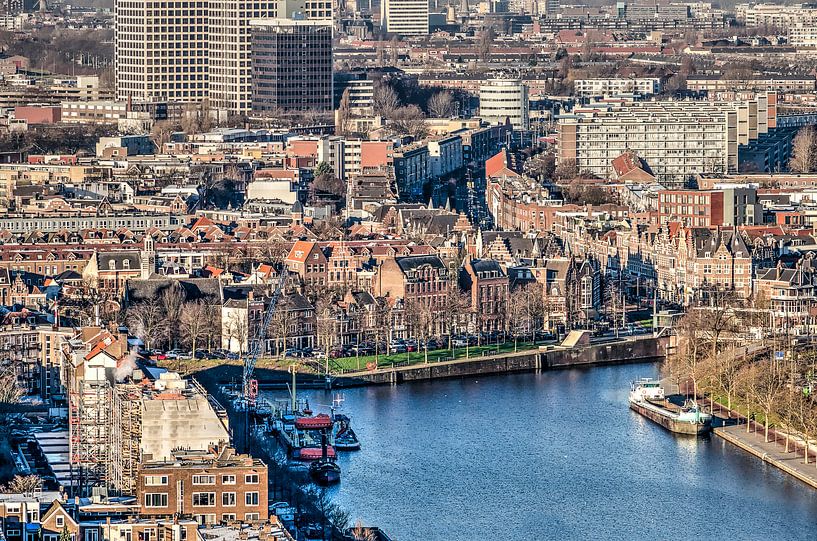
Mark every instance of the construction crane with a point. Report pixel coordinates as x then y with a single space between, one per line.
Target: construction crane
250 385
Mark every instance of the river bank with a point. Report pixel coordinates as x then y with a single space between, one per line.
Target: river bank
528 456
782 451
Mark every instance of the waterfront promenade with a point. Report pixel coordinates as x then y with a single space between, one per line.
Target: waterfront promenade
774 451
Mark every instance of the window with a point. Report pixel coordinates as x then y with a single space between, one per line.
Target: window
252 516
251 479
228 479
60 520
227 517
156 499
155 480
92 534
204 499
251 498
228 499
204 479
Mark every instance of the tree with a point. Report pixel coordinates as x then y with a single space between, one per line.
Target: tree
238 330
409 120
804 146
212 325
361 533
10 392
455 310
484 43
441 105
23 484
147 321
193 323
517 315
384 100
172 302
767 383
65 535
566 169
160 134
420 319
344 114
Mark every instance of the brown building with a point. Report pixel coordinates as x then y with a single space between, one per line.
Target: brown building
308 260
487 286
691 207
208 486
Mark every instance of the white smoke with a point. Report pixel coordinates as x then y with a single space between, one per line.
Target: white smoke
126 366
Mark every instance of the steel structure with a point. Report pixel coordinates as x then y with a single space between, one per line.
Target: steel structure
250 385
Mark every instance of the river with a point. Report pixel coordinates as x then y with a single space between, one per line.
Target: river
554 455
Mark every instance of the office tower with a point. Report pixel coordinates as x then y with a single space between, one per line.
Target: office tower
291 65
405 17
504 99
161 50
186 51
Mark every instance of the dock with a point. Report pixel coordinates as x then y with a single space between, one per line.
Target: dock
773 452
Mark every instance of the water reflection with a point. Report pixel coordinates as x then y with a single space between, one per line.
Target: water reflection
556 455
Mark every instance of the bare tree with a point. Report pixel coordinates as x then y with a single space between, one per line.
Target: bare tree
193 322
384 100
147 321
172 302
344 114
420 319
803 150
767 383
212 325
441 105
160 134
409 120
23 484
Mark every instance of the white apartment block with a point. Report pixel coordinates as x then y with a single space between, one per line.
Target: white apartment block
646 86
677 139
504 99
775 15
405 17
186 50
803 34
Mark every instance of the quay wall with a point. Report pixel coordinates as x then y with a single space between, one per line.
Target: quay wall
626 351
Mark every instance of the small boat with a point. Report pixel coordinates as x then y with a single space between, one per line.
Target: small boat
345 437
647 398
325 471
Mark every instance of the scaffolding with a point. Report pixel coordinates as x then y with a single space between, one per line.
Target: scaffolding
89 427
126 436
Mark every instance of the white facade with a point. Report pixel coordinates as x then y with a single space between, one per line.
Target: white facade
405 17
503 99
646 86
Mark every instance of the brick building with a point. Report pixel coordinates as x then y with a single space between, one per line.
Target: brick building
487 286
208 486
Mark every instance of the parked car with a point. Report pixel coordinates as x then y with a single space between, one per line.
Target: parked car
459 342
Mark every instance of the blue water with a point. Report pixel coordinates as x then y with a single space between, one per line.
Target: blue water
556 455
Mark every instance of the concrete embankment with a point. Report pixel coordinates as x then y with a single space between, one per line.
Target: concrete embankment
771 452
632 350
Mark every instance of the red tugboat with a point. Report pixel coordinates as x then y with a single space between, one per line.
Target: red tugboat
312 447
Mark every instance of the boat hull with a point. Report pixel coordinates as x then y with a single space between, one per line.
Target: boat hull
671 424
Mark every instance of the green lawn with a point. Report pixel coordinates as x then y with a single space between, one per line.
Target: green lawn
415 357
352 363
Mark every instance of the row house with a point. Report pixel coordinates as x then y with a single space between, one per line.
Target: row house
486 284
790 295
422 279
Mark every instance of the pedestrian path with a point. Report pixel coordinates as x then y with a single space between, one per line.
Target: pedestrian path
733 429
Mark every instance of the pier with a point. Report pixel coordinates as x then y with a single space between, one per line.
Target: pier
630 350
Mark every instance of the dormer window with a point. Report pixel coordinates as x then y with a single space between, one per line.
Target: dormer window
111 265
126 264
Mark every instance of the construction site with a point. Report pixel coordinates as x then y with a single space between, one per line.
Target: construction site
122 413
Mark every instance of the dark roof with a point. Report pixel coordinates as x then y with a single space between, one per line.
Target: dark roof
206 289
104 260
410 263
486 265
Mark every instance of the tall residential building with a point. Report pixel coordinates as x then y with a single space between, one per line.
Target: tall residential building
161 50
677 139
505 99
291 65
186 51
405 17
